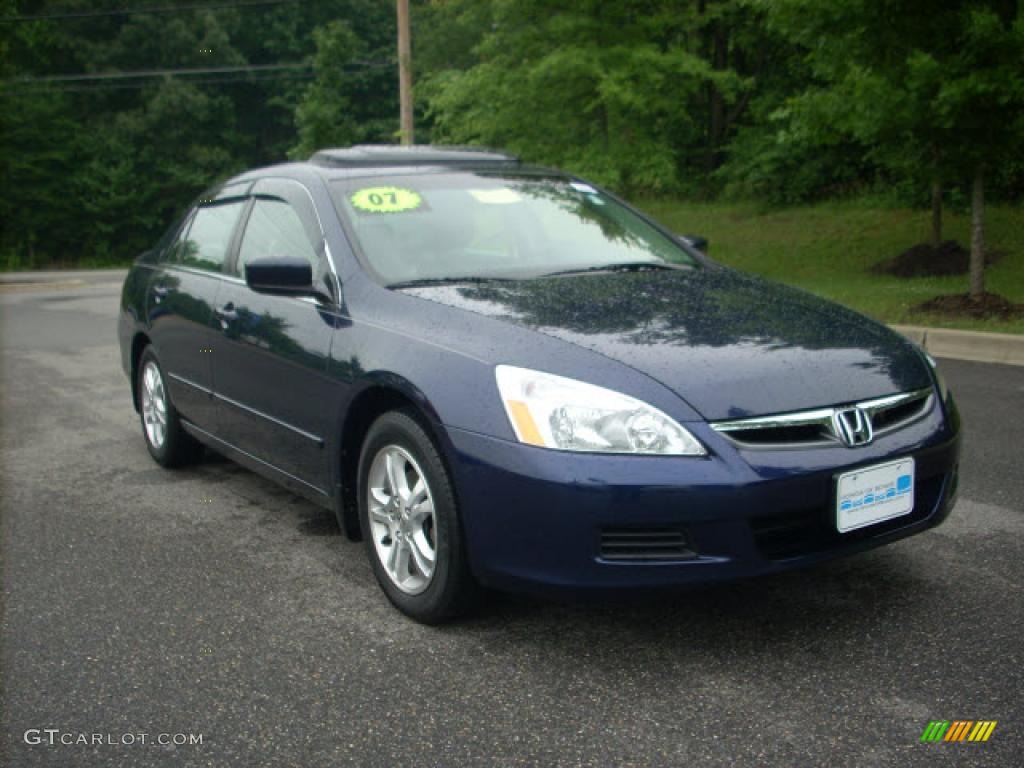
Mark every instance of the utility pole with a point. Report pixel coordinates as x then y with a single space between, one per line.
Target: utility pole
405 71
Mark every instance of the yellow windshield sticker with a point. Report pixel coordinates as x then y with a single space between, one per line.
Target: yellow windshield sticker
386 200
496 196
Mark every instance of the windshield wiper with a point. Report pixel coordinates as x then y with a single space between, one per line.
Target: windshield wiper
626 266
425 281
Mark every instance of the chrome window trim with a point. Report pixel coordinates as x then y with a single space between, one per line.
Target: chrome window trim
239 281
825 418
200 272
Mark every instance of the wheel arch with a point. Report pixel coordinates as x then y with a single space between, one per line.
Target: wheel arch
378 395
139 342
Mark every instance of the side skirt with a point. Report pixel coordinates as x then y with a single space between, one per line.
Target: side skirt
295 485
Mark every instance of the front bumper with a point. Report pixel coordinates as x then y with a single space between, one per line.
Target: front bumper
535 519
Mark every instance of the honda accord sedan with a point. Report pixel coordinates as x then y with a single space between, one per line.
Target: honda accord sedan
499 375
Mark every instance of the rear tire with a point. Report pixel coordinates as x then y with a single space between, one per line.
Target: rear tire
168 442
410 522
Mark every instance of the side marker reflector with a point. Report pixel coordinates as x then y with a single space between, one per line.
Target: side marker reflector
524 423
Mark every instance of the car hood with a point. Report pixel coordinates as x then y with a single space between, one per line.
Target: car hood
731 345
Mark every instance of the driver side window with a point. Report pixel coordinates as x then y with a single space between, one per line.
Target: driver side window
274 230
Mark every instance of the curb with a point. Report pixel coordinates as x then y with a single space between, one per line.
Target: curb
61 276
978 347
18 286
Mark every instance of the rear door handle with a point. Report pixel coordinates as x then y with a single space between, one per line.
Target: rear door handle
227 313
160 293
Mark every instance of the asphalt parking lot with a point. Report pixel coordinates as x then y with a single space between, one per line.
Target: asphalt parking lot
208 601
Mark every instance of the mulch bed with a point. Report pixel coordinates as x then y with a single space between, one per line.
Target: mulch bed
988 306
949 258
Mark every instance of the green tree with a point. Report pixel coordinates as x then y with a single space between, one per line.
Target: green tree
934 91
325 115
983 95
616 90
354 96
41 140
94 171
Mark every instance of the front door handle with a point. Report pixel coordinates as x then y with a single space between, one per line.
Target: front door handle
226 314
160 293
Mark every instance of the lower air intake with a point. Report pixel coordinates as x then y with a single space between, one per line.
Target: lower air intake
645 545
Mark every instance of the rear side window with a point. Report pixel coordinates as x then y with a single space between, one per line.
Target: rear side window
274 230
206 244
173 254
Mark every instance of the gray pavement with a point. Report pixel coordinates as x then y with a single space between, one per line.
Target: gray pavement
208 601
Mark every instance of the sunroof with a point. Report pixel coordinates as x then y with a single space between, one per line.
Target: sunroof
369 155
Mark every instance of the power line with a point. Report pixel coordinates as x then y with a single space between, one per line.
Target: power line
145 10
154 73
187 72
284 76
255 73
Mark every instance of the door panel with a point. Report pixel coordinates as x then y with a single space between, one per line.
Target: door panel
181 315
270 368
180 301
181 297
270 373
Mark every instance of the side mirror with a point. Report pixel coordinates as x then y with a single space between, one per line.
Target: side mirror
280 276
696 241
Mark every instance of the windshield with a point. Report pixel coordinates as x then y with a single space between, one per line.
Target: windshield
461 225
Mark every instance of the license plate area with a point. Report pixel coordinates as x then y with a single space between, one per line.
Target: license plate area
874 494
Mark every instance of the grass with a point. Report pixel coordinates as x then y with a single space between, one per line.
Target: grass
15 262
828 249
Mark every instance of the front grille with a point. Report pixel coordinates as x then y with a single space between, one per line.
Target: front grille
806 530
897 415
799 434
819 427
645 544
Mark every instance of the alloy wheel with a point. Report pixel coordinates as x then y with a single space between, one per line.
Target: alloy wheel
401 517
154 405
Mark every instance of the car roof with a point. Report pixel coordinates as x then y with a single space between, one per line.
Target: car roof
386 159
392 155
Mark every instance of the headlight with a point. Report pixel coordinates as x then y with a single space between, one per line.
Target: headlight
568 415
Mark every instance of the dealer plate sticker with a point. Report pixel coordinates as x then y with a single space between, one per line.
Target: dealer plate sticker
873 494
386 200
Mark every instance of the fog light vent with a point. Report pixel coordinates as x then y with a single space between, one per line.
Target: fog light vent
645 544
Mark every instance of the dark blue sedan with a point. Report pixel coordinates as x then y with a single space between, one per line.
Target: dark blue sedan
500 375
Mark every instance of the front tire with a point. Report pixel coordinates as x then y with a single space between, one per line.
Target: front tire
410 522
166 439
